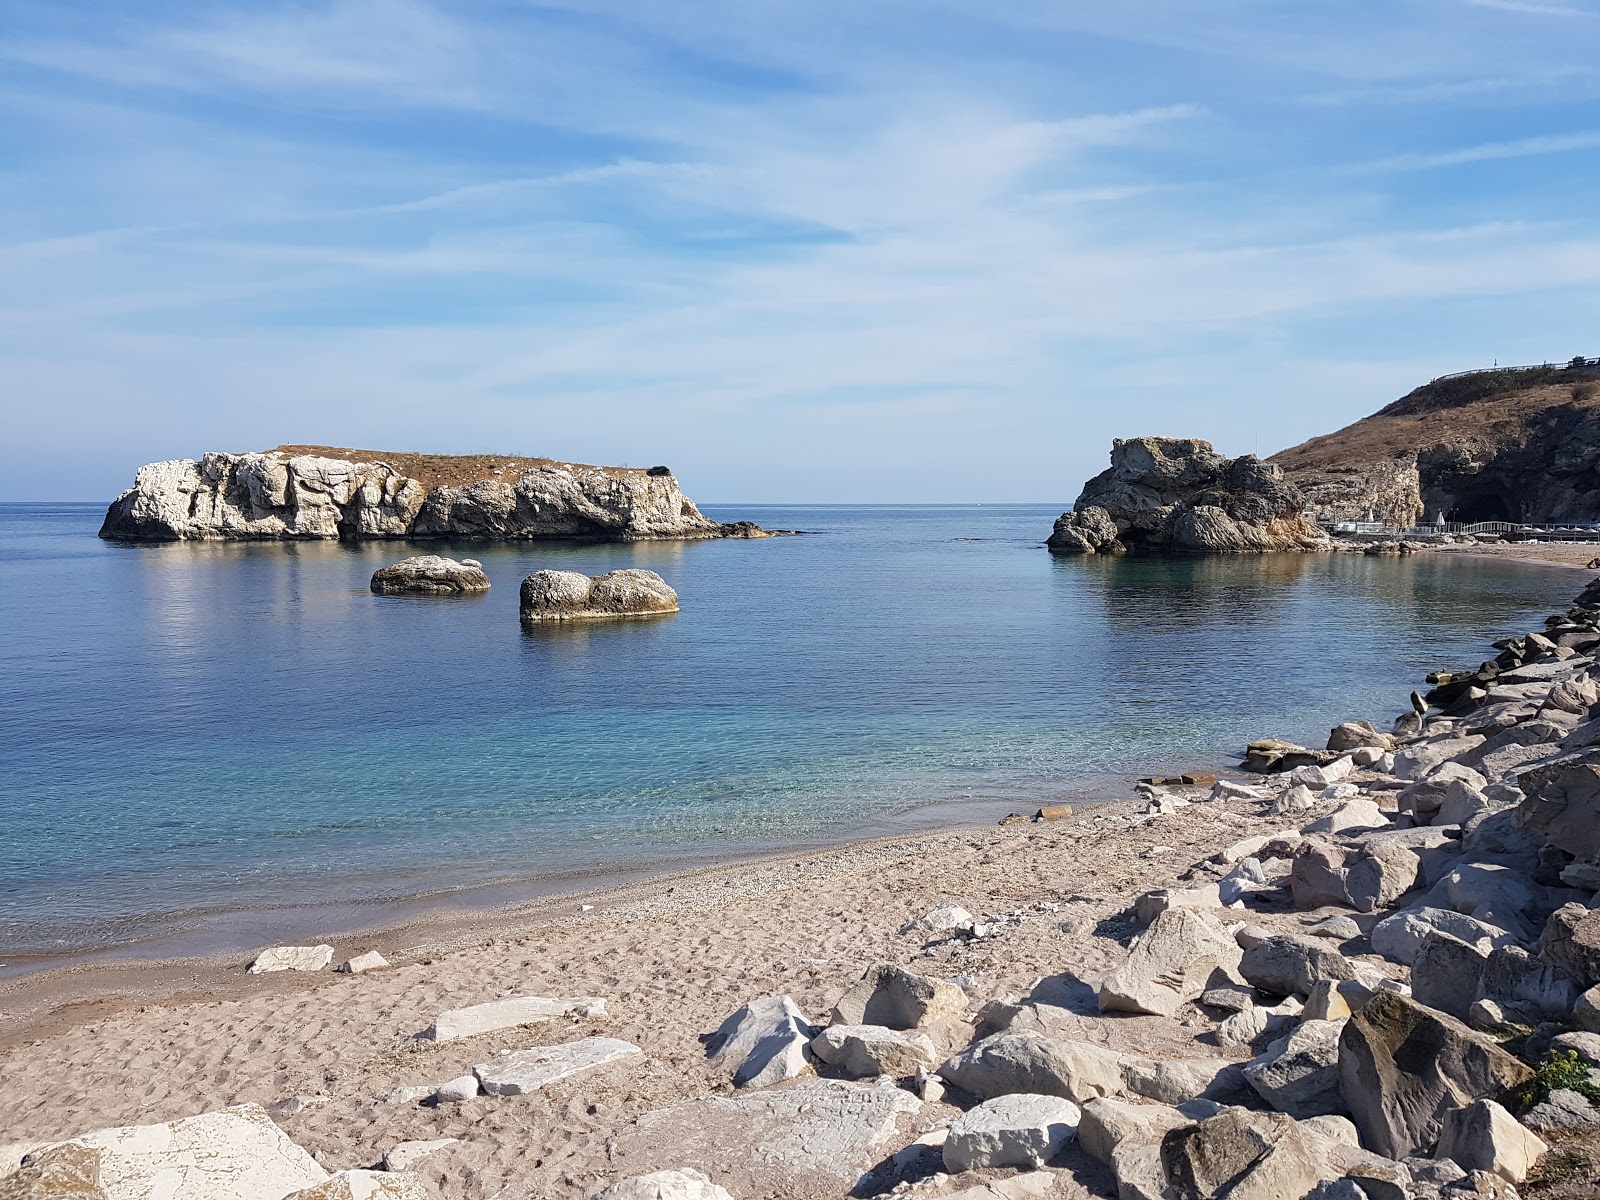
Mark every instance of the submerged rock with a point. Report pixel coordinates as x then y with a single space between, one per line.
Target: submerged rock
1179 494
430 575
572 596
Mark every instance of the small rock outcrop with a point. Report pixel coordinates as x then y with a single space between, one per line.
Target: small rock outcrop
1180 495
321 492
573 596
430 575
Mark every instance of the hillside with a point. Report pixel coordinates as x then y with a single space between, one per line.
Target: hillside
1511 444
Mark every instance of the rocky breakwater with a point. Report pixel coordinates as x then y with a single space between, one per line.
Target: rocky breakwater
573 596
1180 495
327 493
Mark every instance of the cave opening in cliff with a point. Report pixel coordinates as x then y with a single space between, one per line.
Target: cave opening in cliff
1483 506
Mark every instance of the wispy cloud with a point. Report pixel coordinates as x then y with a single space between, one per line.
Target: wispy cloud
816 249
1531 6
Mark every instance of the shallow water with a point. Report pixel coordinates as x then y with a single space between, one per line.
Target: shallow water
190 729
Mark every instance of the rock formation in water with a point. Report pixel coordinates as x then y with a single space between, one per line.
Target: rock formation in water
322 492
430 575
572 596
1178 494
1502 445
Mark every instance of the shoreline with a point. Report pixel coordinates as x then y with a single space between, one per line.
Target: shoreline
342 1063
225 934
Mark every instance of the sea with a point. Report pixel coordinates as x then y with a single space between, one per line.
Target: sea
208 745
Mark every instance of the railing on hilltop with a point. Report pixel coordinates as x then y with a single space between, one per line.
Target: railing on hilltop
1572 531
1576 363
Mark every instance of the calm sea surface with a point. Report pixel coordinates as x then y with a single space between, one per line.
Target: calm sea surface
192 731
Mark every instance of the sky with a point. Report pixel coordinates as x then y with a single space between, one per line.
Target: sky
797 250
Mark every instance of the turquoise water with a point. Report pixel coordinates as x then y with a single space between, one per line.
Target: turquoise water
188 731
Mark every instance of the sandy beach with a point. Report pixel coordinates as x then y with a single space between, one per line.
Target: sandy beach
147 1043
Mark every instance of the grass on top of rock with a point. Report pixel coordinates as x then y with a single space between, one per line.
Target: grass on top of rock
1558 1069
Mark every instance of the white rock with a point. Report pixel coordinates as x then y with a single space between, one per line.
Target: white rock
362 963
685 1184
510 1012
948 917
292 958
463 1087
233 1154
523 1071
1227 789
866 1051
1010 1131
896 998
765 1042
1105 1123
817 1137
408 1154
1169 964
1356 814
1484 1137
410 1095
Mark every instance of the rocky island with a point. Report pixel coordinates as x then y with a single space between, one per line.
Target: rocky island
322 492
574 596
1179 494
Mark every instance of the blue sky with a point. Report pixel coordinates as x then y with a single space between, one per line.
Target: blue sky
816 250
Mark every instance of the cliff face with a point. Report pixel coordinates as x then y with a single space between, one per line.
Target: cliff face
322 492
1179 494
1515 445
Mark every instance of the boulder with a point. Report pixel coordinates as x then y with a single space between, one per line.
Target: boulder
1299 1074
1353 814
1285 965
430 575
1403 1066
1269 755
1571 941
1425 797
1563 1108
1381 872
1018 1130
1105 1123
1483 1136
893 997
1586 1011
1152 904
408 1154
863 1051
1563 802
764 1042
1243 1155
1335 929
1353 735
1004 1064
571 596
232 1154
454 1091
364 1185
522 1071
1334 999
1399 937
818 1137
1492 892
1417 759
291 958
1180 494
1324 775
1168 964
510 1012
684 1184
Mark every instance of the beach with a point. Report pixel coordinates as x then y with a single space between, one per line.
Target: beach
673 958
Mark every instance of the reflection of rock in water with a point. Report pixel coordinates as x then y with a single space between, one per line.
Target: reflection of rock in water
1178 494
